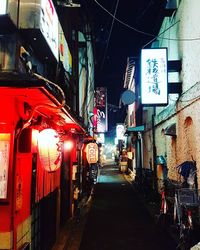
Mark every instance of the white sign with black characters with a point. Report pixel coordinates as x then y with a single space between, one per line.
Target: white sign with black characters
154 81
3 6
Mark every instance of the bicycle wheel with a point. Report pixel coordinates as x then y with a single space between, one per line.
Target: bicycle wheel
185 240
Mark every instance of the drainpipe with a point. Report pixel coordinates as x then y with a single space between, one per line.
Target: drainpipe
13 218
154 150
141 149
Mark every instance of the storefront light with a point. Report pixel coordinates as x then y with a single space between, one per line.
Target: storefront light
49 149
68 145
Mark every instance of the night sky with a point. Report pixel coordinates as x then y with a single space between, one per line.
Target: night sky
115 41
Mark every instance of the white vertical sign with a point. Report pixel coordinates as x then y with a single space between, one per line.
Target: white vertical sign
154 87
49 25
3 5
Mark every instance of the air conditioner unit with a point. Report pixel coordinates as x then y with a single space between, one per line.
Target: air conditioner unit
171 6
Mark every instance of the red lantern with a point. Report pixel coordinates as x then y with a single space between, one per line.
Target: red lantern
49 149
68 145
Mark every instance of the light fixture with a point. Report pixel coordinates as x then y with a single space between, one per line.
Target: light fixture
68 145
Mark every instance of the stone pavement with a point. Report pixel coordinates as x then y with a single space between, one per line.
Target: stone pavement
115 217
118 220
71 233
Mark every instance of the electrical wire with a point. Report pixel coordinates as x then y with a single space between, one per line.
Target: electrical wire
160 34
123 23
145 33
107 44
188 100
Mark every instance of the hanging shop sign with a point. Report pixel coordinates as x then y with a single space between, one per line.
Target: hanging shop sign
92 153
49 150
120 131
4 164
100 110
3 6
64 52
154 81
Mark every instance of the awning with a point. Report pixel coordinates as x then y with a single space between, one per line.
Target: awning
135 129
38 93
170 130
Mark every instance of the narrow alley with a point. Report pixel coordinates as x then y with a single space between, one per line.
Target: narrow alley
118 219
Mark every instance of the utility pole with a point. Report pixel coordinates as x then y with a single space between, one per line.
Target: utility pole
154 151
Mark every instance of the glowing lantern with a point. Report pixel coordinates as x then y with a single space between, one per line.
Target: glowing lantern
92 153
49 150
68 145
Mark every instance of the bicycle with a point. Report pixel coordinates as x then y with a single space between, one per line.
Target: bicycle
185 206
166 213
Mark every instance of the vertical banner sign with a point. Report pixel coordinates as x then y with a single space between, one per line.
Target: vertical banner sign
3 7
154 87
120 131
49 25
100 110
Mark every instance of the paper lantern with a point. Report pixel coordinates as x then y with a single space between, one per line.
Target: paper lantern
49 150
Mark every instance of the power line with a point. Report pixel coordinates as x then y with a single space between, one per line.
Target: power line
123 23
146 33
107 44
160 34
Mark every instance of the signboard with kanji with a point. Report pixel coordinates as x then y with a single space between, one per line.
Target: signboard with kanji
4 164
154 80
100 110
92 153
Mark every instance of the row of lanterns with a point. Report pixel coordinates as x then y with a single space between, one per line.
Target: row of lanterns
49 147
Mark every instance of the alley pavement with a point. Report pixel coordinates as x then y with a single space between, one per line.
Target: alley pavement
114 218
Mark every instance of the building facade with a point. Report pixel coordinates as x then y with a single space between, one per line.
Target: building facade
43 129
175 126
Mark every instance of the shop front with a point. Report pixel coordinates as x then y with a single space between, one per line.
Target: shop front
35 168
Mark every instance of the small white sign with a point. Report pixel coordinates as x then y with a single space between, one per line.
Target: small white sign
120 131
4 164
154 82
3 7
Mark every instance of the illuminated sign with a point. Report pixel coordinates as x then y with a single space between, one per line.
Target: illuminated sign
65 54
101 138
120 131
3 7
100 110
154 89
92 153
49 25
